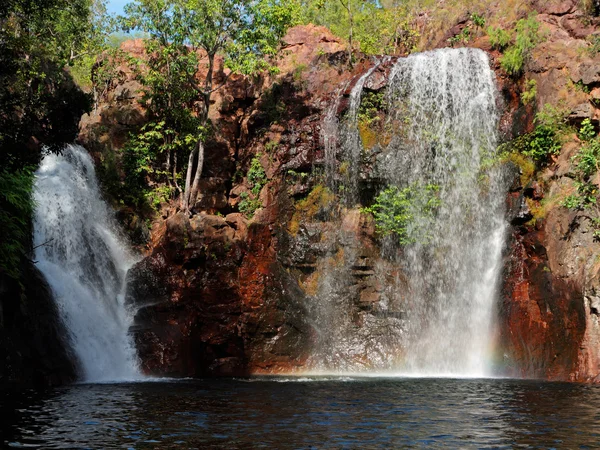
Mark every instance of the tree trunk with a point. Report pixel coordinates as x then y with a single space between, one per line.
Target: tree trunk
199 166
185 198
175 172
348 7
196 160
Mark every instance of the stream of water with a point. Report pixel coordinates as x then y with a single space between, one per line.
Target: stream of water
85 261
428 306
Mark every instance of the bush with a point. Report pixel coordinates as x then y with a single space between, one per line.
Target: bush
587 131
257 178
405 213
526 38
543 142
530 92
499 38
513 60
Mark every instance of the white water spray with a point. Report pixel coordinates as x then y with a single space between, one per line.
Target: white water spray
447 98
436 297
85 261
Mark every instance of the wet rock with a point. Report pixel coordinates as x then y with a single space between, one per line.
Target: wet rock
34 347
517 211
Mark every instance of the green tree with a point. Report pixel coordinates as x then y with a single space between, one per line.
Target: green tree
39 102
375 27
245 33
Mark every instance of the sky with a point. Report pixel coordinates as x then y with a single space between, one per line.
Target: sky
116 6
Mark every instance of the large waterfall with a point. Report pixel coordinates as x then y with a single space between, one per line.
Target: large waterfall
434 297
85 260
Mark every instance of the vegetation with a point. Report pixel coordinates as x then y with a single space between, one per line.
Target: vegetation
373 27
15 218
499 38
177 90
586 165
546 139
405 213
42 44
319 200
530 92
257 178
517 44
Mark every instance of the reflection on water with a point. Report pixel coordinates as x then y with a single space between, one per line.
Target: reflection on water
305 413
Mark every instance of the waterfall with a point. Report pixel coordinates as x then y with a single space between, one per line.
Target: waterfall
429 307
447 98
85 261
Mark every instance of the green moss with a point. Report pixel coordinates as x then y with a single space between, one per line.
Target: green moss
318 199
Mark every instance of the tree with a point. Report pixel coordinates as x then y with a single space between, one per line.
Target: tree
40 105
180 32
373 26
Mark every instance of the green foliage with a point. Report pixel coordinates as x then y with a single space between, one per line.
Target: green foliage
546 139
16 210
526 37
243 32
248 205
585 165
478 21
530 92
587 131
405 213
161 194
257 178
499 38
594 45
461 38
513 60
38 100
371 104
542 143
379 27
554 117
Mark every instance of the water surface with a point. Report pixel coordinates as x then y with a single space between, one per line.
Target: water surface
305 413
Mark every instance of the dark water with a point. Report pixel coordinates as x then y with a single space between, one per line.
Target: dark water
346 413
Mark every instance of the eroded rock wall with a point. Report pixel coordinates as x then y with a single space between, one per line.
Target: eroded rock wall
222 294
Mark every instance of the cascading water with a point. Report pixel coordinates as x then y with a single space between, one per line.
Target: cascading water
434 313
84 259
447 99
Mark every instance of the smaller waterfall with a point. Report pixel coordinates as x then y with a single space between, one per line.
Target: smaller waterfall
85 261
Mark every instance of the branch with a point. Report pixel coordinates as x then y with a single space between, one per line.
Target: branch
41 245
222 84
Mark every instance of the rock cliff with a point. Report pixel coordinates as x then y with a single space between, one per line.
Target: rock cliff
224 294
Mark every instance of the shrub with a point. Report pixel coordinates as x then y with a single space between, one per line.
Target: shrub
530 92
478 21
543 142
526 38
406 212
513 60
499 38
257 178
587 131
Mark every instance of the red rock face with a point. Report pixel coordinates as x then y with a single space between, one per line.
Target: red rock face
224 296
213 302
542 316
